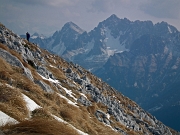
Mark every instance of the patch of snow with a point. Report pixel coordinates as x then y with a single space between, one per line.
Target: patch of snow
31 105
98 58
135 84
110 127
170 31
155 108
4 119
34 37
59 48
110 52
155 95
69 101
49 44
61 120
83 95
174 67
112 43
69 92
50 79
76 28
107 115
89 46
52 66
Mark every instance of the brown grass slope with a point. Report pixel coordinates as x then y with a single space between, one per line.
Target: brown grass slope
13 83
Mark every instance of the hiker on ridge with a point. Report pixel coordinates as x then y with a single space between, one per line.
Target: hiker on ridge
27 36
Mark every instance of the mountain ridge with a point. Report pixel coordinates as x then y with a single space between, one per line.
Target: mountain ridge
64 93
117 39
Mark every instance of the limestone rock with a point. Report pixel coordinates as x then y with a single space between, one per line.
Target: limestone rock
44 86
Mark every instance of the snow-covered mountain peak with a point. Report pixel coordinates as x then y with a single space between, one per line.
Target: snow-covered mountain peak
36 35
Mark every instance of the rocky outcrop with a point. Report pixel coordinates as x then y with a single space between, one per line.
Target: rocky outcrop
44 72
114 108
84 101
44 86
14 61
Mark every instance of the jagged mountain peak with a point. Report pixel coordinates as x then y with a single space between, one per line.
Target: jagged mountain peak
72 26
52 96
165 28
114 20
113 17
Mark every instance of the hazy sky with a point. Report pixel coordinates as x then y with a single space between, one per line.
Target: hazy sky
47 16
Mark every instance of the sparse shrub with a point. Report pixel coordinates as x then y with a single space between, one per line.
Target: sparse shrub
4 75
41 113
102 107
68 114
92 109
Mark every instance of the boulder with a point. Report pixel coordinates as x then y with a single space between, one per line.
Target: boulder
28 74
44 72
14 61
44 86
84 101
68 70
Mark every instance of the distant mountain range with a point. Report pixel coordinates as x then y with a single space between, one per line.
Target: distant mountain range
138 58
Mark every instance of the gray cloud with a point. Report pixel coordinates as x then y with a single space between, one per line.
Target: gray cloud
108 5
162 8
101 6
47 16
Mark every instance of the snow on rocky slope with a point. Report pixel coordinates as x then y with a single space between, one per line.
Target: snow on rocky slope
36 85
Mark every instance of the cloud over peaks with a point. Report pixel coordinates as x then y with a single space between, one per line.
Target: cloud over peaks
162 8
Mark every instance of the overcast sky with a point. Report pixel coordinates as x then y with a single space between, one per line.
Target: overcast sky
47 16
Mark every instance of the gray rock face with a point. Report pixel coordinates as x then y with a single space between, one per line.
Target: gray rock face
101 116
44 72
84 101
14 61
120 130
115 109
28 74
68 70
44 86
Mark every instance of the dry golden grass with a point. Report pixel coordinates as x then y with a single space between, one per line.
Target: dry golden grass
12 103
131 133
42 122
39 127
4 67
14 53
92 109
41 113
4 47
